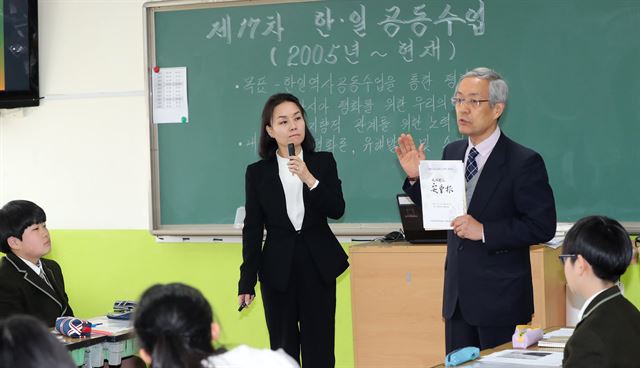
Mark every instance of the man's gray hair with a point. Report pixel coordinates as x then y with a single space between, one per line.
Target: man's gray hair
498 89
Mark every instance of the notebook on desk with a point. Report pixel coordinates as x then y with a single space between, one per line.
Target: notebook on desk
411 218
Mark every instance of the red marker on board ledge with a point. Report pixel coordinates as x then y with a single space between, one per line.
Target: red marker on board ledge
156 69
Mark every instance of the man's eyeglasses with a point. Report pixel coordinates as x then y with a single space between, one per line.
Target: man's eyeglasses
563 257
470 102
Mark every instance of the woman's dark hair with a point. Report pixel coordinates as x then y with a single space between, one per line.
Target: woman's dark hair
26 342
268 145
15 217
173 325
603 242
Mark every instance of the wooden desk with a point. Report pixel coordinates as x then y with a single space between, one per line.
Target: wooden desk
396 297
93 351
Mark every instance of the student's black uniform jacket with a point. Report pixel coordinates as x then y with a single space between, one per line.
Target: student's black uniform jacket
22 291
608 336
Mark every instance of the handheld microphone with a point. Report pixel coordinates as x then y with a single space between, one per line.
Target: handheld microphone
73 327
292 150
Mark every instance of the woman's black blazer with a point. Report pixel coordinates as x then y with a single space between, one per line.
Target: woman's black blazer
266 209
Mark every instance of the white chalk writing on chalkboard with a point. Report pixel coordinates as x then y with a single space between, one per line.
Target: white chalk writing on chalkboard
357 124
326 22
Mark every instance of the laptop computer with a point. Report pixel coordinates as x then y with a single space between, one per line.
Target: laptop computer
411 218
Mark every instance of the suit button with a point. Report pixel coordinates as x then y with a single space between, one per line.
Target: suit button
460 247
299 232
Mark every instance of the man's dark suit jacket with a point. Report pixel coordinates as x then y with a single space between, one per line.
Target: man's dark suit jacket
22 291
607 336
513 200
266 207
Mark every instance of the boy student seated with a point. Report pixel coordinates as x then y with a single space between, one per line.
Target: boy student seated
29 284
175 328
597 250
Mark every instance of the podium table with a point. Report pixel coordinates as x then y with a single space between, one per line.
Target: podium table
396 297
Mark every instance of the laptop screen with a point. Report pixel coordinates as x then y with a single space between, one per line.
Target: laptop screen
411 218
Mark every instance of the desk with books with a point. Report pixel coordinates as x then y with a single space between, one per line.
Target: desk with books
532 350
111 340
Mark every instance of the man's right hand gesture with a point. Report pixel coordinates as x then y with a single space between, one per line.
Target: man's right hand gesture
408 156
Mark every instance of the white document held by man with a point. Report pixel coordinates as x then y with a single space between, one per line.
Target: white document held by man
443 193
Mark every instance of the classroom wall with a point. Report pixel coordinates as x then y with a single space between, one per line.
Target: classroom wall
83 155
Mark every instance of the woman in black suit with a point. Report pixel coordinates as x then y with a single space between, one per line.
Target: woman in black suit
292 196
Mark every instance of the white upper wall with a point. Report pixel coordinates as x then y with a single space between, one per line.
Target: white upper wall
82 157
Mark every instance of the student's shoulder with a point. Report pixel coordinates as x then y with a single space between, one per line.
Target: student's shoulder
9 271
246 356
50 263
7 264
628 312
618 316
4 264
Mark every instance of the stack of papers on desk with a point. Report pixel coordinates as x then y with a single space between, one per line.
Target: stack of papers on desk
556 242
107 326
529 358
556 339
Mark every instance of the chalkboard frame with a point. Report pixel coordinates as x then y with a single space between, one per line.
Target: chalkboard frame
157 228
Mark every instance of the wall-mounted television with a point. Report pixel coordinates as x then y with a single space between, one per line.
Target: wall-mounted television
19 84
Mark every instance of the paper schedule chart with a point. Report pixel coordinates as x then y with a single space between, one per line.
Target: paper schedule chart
170 103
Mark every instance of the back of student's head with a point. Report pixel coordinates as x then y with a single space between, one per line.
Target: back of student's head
602 242
173 325
25 342
15 217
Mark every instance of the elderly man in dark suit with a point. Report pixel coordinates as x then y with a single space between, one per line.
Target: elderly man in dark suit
29 284
488 288
596 252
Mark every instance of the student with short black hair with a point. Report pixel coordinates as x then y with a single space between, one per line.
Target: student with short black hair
29 284
25 342
596 252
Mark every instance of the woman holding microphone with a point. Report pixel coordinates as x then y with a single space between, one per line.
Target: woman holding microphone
291 192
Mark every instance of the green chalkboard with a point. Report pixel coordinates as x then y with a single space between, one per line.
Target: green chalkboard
367 71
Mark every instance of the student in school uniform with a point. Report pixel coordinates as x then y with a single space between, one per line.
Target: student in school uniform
292 195
29 283
596 252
